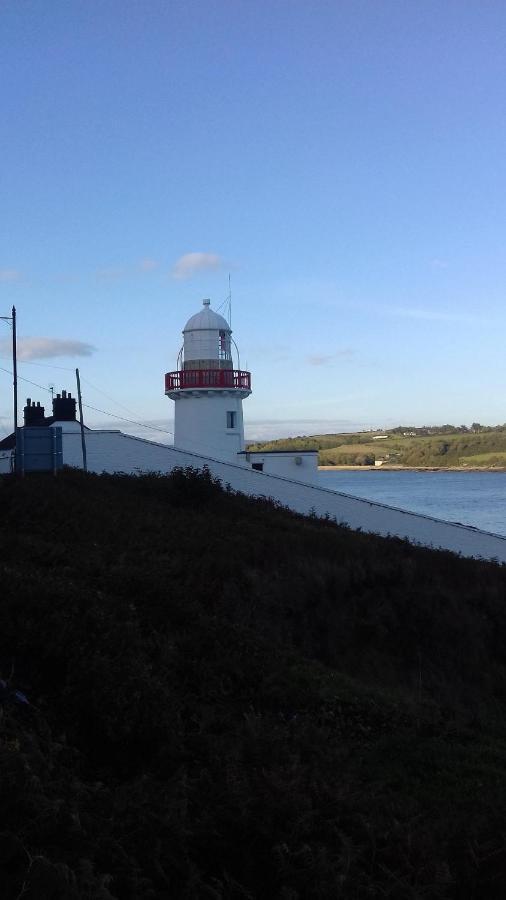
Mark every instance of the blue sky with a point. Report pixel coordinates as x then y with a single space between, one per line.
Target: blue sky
344 161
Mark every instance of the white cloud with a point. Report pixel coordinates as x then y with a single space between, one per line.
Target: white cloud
192 263
10 275
46 348
147 265
317 359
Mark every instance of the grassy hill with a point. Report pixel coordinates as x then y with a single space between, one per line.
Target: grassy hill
227 700
405 446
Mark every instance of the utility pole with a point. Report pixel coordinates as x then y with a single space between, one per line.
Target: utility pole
15 367
83 440
12 320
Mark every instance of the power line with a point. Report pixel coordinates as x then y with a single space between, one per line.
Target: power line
105 412
26 362
150 427
130 421
66 369
20 377
108 397
94 408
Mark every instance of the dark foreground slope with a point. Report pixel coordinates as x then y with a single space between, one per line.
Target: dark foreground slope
230 701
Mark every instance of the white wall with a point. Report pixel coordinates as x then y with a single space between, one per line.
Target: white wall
286 464
204 344
113 451
200 423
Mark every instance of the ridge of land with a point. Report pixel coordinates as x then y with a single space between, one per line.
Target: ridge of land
432 447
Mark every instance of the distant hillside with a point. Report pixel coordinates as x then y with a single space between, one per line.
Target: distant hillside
443 446
227 700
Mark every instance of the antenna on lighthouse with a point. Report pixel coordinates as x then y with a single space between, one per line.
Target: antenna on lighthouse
229 298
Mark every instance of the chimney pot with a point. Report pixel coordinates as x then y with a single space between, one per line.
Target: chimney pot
34 413
64 407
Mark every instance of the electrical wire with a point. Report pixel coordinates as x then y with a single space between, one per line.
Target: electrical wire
21 378
108 397
94 408
26 362
64 369
105 412
130 421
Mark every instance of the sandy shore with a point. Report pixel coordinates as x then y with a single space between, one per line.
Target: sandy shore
387 468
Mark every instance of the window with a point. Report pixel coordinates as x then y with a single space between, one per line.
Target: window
224 346
258 466
231 419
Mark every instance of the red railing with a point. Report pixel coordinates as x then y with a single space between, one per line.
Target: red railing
207 378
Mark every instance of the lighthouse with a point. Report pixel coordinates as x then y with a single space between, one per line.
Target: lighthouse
207 390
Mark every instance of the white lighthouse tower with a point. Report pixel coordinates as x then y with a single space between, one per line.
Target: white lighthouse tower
207 390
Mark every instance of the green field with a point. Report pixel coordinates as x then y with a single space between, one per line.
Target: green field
494 460
444 447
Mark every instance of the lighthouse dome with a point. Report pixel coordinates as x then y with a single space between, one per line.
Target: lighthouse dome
206 320
206 341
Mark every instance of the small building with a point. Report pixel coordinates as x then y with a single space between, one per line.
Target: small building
63 417
301 465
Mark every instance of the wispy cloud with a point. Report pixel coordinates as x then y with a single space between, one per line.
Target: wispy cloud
115 273
147 265
159 430
110 273
64 278
10 275
420 313
192 263
433 315
46 348
328 359
437 263
272 353
269 429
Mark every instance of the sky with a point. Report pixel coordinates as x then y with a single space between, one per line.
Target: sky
344 162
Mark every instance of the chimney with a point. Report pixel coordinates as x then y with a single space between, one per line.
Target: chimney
33 414
64 407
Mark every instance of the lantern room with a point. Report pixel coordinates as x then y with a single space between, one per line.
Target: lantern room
207 341
205 359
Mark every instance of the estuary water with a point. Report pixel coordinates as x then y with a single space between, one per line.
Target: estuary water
471 498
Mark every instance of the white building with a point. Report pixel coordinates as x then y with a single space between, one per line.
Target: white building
207 390
208 394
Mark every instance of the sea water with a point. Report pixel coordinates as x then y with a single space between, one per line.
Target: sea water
471 498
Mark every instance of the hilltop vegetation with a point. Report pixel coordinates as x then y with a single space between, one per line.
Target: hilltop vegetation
228 700
435 446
